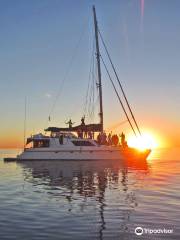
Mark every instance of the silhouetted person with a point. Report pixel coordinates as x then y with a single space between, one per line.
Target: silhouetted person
61 139
116 140
110 138
123 141
83 127
83 121
104 138
99 138
70 123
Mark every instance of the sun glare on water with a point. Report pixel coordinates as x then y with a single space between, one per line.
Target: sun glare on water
146 141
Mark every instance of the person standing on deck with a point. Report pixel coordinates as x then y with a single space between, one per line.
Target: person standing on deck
70 123
123 141
110 138
83 121
83 127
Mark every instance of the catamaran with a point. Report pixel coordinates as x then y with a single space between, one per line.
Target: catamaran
77 142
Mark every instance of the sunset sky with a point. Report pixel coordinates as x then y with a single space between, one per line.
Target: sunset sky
38 39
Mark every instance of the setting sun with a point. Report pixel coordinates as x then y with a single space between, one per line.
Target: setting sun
147 140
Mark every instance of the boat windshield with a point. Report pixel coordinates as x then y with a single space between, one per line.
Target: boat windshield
38 141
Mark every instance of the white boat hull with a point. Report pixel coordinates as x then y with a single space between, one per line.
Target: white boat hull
106 153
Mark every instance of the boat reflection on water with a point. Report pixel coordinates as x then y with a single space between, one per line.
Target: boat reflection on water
106 183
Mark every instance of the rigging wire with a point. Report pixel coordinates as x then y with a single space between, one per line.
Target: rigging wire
25 121
94 87
89 106
118 96
67 71
93 92
116 125
89 80
92 101
132 115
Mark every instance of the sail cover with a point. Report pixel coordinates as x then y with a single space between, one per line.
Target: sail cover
85 128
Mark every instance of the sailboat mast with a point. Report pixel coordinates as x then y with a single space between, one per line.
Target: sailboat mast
99 68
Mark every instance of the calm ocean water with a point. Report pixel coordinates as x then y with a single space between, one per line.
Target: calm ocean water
90 200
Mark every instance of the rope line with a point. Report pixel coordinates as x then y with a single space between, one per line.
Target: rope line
118 97
132 115
67 71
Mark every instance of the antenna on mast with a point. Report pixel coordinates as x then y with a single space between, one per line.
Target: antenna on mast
99 68
25 116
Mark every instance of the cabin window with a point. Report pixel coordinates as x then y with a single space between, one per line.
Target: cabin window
82 143
41 143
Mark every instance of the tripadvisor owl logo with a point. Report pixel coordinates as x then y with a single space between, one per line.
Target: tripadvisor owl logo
138 231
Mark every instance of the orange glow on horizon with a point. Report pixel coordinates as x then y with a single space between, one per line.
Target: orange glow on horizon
11 145
11 142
